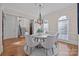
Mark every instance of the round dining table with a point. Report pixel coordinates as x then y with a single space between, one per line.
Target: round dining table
40 37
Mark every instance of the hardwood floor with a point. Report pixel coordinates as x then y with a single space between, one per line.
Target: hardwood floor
67 49
14 47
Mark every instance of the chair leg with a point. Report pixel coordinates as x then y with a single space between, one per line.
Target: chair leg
30 49
55 50
52 51
46 52
27 47
49 52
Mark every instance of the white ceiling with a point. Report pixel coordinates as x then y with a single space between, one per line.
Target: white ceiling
33 10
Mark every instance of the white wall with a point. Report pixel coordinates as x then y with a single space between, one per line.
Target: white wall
70 12
10 26
53 19
1 47
15 13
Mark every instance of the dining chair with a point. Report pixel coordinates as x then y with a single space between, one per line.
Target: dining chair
50 45
30 43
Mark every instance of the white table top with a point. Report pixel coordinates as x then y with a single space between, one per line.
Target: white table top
40 36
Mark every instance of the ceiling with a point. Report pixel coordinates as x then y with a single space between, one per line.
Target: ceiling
32 9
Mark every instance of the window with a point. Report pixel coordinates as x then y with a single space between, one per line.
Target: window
63 27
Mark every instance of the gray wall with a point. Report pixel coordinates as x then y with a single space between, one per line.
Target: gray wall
1 47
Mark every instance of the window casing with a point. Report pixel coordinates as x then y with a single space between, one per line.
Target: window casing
63 27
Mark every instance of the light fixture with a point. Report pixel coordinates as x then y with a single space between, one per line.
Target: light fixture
39 20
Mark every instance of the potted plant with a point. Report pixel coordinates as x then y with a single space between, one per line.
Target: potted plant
40 30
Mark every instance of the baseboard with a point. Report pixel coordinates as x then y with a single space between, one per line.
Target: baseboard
10 38
67 43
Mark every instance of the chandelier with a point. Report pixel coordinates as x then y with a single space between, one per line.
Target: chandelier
39 20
